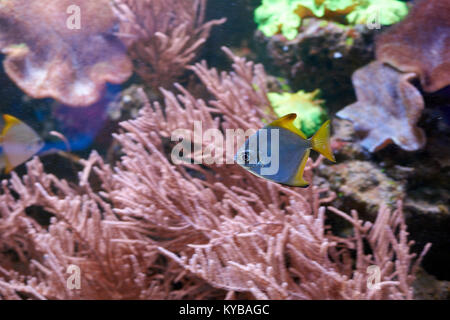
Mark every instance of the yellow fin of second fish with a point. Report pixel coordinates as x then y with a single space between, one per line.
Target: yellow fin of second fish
287 122
10 121
8 166
298 180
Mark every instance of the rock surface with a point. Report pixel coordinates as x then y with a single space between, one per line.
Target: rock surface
324 55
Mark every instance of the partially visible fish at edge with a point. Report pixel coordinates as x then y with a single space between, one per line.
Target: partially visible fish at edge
18 143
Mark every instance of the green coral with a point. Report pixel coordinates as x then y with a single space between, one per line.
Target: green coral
307 106
274 16
319 8
285 16
385 12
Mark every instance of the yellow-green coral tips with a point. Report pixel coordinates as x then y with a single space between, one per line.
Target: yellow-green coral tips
285 16
275 16
384 12
307 106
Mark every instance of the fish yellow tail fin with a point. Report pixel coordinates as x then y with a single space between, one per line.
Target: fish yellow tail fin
320 142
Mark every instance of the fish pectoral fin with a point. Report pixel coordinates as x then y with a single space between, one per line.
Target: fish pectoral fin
287 122
298 180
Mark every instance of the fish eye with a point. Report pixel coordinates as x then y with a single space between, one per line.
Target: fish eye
244 157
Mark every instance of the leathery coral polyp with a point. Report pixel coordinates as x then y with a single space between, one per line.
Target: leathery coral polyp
46 57
420 44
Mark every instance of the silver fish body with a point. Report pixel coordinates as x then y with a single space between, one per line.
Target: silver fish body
18 143
263 160
279 151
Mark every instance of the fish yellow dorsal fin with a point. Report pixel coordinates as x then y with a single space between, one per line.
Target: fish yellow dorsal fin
298 180
19 142
287 122
10 121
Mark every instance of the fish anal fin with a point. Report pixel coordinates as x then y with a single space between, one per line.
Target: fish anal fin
298 180
287 122
8 166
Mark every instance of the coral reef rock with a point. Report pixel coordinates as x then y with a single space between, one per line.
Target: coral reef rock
423 175
324 55
429 288
362 185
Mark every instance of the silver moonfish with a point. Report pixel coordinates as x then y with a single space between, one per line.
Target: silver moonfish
18 142
279 151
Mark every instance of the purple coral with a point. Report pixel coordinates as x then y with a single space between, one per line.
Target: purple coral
387 110
45 58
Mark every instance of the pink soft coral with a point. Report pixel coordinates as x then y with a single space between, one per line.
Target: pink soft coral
137 228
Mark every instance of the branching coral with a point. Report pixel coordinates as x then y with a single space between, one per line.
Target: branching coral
163 36
46 58
240 259
388 108
213 230
285 16
420 44
83 231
